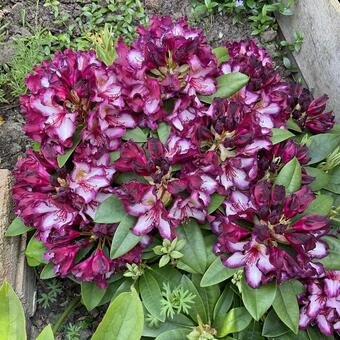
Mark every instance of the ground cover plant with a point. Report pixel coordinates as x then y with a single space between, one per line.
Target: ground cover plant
189 188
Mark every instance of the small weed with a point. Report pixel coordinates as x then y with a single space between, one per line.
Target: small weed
72 331
54 288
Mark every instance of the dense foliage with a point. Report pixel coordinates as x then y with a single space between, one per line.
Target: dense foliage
182 156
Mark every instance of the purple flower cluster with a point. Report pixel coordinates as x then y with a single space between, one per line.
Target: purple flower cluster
77 104
321 303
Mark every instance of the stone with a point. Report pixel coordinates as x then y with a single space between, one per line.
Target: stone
268 36
13 267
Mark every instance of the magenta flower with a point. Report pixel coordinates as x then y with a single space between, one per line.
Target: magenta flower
86 180
321 303
262 250
96 267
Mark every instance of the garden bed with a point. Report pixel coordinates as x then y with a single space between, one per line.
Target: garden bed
13 143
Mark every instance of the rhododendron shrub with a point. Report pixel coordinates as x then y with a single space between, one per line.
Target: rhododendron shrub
178 141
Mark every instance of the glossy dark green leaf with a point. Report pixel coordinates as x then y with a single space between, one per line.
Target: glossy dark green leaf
215 202
12 317
331 261
124 319
279 135
48 272
17 227
321 146
221 54
222 306
286 306
123 239
314 334
163 132
174 334
290 176
197 308
253 331
34 252
333 184
194 253
258 301
321 205
216 273
209 294
150 292
137 135
291 125
114 155
126 177
62 159
91 294
46 333
321 178
273 326
235 321
110 211
179 321
227 85
167 275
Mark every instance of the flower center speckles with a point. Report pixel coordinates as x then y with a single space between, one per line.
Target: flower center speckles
80 175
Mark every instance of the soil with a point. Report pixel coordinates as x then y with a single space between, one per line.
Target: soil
13 142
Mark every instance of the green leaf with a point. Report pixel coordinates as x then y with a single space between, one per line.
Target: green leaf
46 333
235 321
315 334
273 326
168 275
163 132
194 254
321 146
91 294
197 308
321 178
333 184
258 301
16 228
137 135
123 319
253 331
174 334
291 125
222 306
221 54
48 272
209 294
123 239
12 317
331 261
279 135
286 306
110 211
215 202
179 321
290 176
34 252
227 85
62 159
126 177
216 273
321 205
114 155
151 294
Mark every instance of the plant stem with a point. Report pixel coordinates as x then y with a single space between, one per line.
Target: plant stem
67 312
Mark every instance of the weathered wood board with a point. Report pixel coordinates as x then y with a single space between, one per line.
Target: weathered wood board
319 58
13 265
